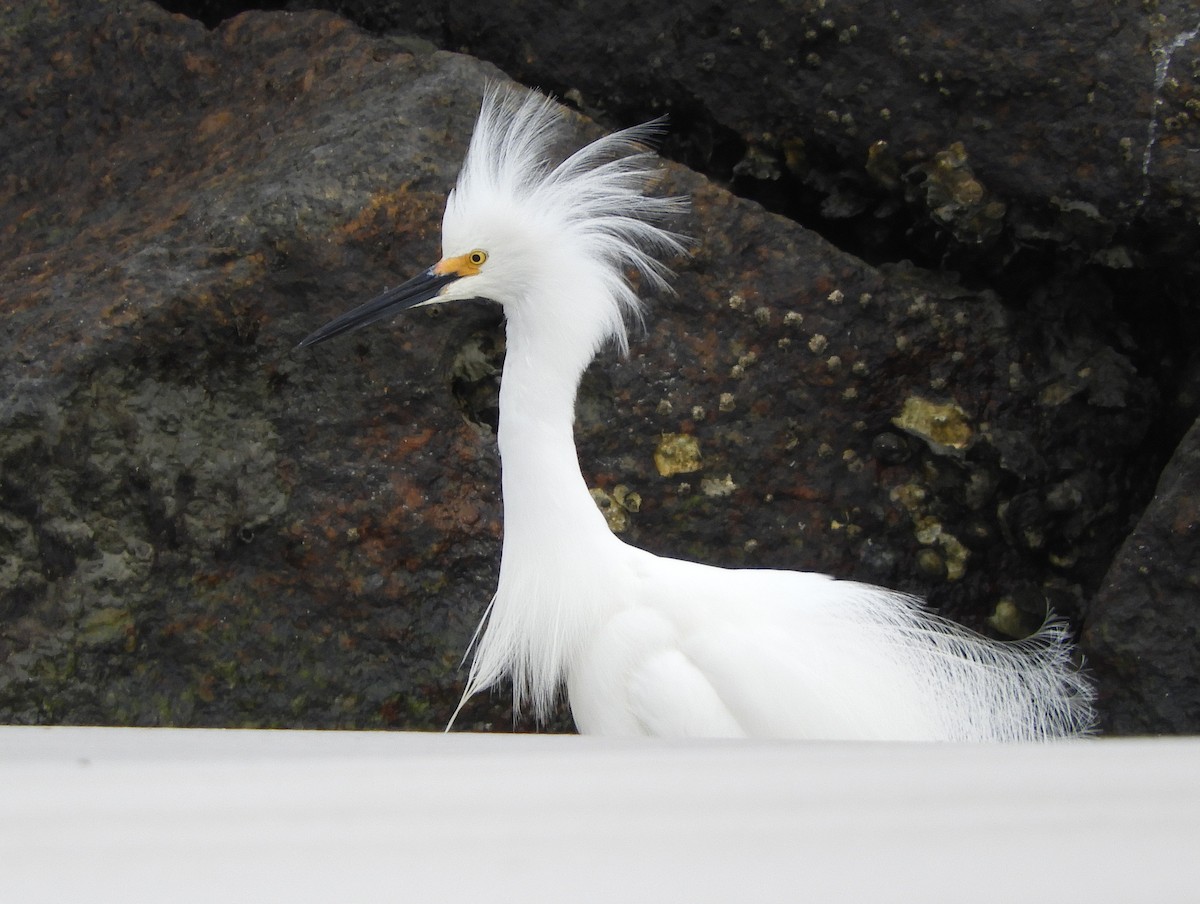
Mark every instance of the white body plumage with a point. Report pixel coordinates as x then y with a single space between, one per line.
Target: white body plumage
646 645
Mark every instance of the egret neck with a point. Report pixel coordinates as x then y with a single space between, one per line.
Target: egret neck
558 553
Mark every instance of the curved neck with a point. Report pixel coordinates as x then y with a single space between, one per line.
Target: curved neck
558 551
546 500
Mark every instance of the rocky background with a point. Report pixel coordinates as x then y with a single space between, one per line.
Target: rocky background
938 332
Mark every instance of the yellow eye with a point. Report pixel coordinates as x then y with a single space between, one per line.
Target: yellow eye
462 265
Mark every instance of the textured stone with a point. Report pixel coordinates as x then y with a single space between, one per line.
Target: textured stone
1143 628
1074 120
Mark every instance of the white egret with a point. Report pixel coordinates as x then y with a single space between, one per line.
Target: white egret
657 646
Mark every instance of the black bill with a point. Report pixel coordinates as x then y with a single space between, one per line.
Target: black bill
417 290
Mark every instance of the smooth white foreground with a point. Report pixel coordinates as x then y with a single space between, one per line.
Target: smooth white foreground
162 815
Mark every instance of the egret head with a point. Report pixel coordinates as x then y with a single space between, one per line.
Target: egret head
540 237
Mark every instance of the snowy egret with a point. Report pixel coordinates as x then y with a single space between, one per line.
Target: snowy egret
647 645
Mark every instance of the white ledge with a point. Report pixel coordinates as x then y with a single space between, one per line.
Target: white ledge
167 815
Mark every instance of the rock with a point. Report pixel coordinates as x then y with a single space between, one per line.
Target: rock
1004 118
177 203
1143 628
201 526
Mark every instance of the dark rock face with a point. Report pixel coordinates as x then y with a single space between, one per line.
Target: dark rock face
1076 120
168 556
201 526
1151 594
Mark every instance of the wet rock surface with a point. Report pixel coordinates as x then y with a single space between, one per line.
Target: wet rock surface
201 526
1070 123
1150 594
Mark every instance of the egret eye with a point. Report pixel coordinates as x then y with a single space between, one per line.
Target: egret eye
477 257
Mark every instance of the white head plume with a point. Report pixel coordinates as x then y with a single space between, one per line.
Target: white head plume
590 208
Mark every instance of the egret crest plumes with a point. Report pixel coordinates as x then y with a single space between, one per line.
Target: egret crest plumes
587 214
647 645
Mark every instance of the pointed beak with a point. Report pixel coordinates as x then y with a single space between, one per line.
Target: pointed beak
417 291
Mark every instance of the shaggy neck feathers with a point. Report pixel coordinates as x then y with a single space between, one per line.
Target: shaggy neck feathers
589 224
